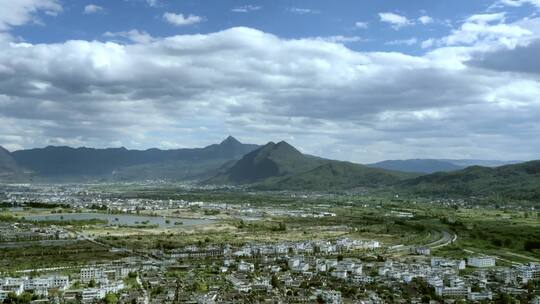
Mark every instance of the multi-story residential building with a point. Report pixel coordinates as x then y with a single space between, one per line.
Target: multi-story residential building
481 261
480 296
89 295
14 285
452 292
423 250
89 274
331 297
361 279
246 267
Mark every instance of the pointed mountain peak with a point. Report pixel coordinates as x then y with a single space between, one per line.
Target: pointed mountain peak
281 148
269 144
230 141
285 146
269 161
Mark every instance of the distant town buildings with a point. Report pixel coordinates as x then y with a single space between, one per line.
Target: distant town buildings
481 261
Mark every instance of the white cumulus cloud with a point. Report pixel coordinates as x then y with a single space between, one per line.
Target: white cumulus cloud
181 20
425 20
246 8
518 3
132 35
328 99
395 20
19 12
361 25
92 9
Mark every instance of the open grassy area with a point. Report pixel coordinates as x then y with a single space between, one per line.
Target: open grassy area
35 257
510 234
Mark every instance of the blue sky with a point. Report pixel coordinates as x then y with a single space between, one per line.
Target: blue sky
287 19
354 80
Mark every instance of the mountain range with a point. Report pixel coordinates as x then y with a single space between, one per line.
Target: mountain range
436 165
269 161
280 166
338 175
518 181
274 166
76 164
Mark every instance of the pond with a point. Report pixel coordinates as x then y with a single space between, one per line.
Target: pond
123 219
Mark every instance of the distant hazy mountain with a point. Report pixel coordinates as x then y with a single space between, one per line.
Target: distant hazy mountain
519 181
480 162
269 161
274 166
437 165
124 164
417 165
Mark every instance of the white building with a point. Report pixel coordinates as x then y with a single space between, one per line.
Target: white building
481 261
339 273
452 292
3 295
320 266
240 285
91 294
423 250
60 282
479 296
89 274
14 285
246 267
360 279
331 297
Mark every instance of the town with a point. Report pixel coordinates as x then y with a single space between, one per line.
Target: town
304 272
266 259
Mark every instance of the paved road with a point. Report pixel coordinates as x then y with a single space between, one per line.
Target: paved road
447 238
45 269
92 240
523 256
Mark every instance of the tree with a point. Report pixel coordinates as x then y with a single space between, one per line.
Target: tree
92 283
24 298
111 298
275 282
200 286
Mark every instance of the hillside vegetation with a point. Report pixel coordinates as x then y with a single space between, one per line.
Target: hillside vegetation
519 182
270 161
336 175
83 164
417 165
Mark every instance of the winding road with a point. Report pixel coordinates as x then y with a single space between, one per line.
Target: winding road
448 237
